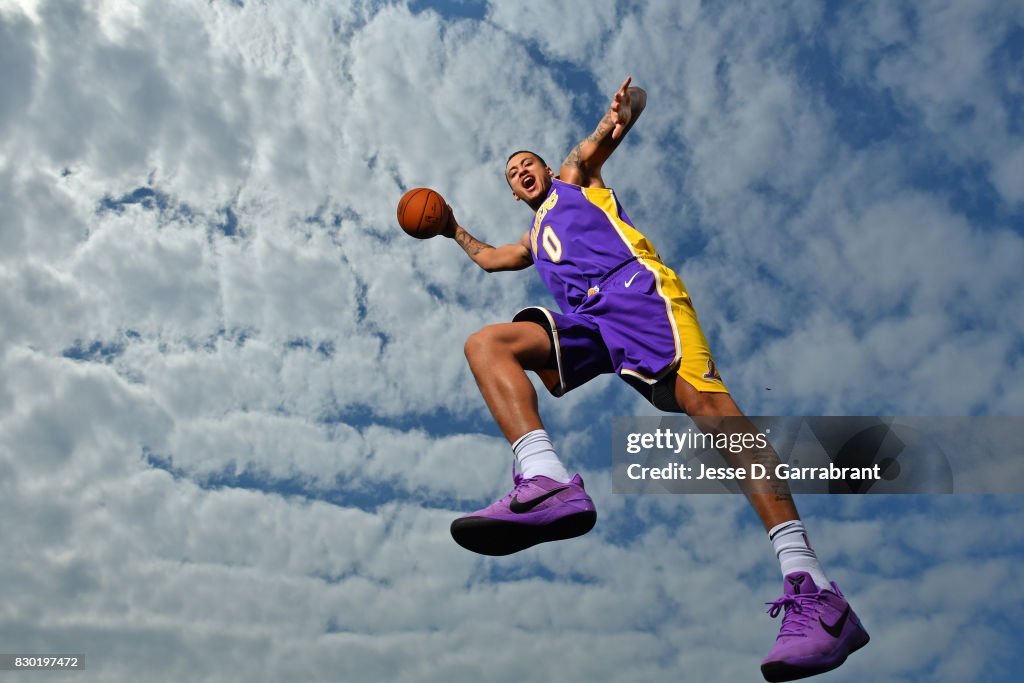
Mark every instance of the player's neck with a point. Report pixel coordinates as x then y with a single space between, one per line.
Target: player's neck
535 204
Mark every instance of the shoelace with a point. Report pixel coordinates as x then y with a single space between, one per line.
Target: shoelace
518 480
800 610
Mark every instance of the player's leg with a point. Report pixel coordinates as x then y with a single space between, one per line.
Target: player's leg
700 392
819 629
546 504
717 412
499 356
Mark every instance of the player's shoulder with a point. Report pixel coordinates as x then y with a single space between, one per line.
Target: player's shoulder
584 184
578 175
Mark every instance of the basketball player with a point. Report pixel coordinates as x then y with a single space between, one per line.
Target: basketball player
624 311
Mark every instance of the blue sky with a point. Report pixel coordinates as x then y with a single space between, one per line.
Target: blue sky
235 416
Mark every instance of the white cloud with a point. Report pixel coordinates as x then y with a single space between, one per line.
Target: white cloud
938 61
546 23
234 399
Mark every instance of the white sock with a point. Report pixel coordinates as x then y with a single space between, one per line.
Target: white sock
536 456
795 553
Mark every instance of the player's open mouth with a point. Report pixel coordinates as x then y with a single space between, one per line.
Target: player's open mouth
529 182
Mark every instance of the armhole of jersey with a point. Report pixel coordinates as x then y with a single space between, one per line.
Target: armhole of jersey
604 199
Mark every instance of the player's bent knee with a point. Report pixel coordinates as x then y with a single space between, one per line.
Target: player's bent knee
526 342
477 345
486 343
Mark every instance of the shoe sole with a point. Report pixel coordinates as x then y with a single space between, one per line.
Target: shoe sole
776 672
499 537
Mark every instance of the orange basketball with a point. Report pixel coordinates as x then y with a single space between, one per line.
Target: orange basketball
423 213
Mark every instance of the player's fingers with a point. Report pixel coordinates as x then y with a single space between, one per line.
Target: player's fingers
622 91
449 228
622 96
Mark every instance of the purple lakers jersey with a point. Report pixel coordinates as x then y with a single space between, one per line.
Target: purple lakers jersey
579 235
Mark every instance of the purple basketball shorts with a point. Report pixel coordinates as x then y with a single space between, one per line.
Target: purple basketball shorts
637 322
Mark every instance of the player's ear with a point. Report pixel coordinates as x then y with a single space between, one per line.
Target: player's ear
515 196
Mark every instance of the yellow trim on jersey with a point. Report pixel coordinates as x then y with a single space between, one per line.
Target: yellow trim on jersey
604 199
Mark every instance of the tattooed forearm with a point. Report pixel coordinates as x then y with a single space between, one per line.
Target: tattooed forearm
471 245
600 134
603 129
575 159
583 165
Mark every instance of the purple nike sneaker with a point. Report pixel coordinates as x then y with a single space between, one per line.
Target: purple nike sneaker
819 630
537 510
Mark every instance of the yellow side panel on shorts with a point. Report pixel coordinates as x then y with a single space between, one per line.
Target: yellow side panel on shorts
696 364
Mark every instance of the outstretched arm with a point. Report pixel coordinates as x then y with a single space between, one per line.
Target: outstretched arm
583 165
492 259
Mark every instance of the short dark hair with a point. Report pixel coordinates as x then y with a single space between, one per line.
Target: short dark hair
523 151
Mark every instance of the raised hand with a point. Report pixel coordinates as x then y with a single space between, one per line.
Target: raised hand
621 109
